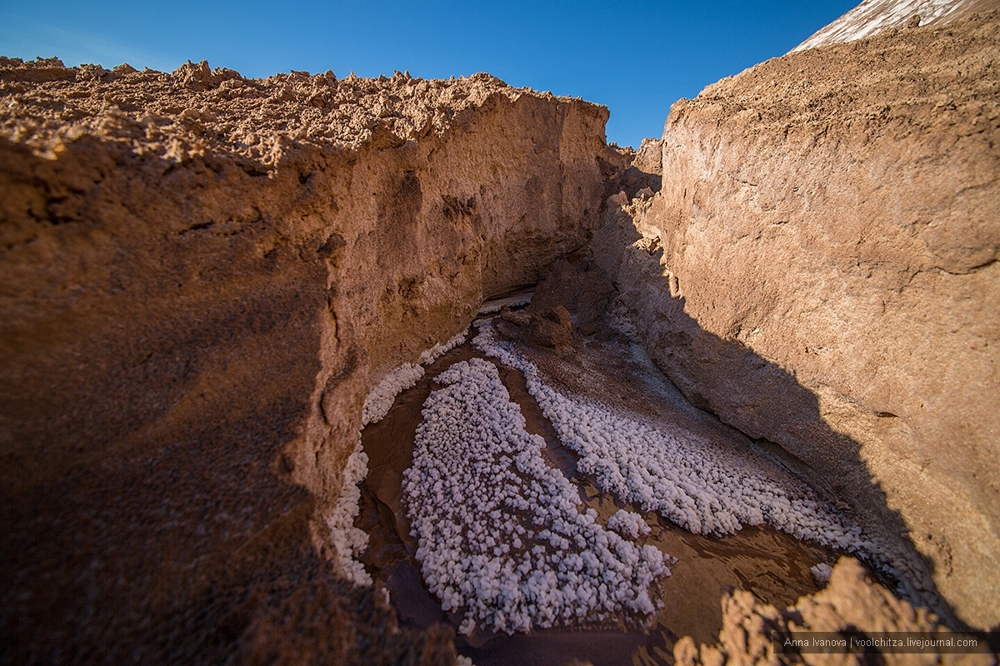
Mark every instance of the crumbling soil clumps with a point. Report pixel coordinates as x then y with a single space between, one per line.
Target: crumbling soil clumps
757 633
204 276
197 109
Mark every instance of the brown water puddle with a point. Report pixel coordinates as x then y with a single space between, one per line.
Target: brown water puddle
768 563
389 446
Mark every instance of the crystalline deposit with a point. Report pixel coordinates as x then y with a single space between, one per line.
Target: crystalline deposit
873 16
628 524
380 399
821 573
683 478
437 351
501 535
349 541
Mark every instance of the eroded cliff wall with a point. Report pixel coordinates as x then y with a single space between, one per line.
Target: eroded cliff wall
202 277
820 270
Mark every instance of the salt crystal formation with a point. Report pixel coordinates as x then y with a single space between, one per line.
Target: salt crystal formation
500 531
437 351
686 480
628 524
380 399
821 573
873 16
349 541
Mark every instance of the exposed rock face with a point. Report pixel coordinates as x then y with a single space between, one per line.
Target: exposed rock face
851 601
203 276
820 269
641 171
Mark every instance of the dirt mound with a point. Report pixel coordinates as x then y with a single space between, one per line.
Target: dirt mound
754 632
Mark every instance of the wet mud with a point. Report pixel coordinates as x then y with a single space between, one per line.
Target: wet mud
768 563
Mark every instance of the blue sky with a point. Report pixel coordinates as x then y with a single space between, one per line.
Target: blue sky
635 57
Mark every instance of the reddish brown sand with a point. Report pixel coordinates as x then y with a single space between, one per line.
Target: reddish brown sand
768 563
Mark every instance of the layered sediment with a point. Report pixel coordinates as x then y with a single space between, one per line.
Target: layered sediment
820 270
203 277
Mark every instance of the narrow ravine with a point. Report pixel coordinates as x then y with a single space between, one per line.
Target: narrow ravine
772 565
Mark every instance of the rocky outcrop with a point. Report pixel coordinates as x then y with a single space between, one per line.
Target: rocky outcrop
203 276
754 632
820 270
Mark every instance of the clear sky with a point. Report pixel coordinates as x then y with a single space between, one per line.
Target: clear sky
636 57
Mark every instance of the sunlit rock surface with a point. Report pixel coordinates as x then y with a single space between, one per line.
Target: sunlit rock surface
873 16
820 270
754 632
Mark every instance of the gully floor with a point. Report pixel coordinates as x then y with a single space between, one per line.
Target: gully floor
769 563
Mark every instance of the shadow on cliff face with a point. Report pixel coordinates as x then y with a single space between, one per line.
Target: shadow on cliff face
623 288
169 457
158 357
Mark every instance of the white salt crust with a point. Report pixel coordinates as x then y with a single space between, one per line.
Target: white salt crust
683 478
437 351
628 524
500 532
349 541
380 399
874 16
821 573
510 302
